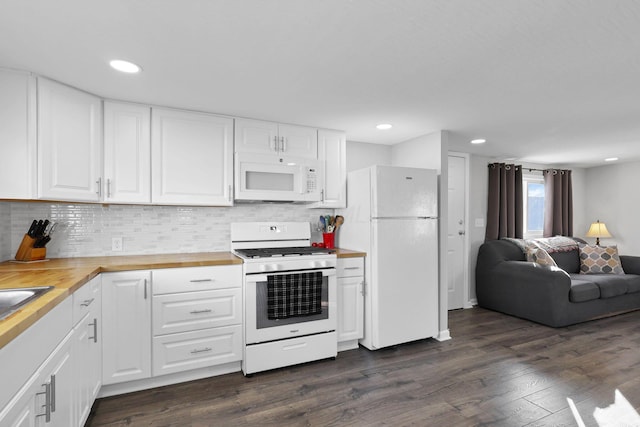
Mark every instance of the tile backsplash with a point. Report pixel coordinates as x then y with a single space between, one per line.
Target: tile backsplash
87 229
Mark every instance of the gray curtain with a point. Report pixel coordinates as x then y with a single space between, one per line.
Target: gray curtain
558 203
504 209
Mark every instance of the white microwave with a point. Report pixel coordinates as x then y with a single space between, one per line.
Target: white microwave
264 177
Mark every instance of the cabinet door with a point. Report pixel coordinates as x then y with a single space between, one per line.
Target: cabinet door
255 136
127 153
192 160
17 135
22 411
69 143
126 329
350 308
298 141
332 153
58 373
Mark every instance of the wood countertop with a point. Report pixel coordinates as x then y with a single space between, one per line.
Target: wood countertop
69 274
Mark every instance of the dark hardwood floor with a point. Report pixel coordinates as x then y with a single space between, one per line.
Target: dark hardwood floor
496 371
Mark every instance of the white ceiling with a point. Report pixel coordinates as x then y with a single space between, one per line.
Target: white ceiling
544 81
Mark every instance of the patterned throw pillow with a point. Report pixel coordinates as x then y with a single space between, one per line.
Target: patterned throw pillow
599 259
539 256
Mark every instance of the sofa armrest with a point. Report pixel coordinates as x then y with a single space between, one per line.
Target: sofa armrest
630 264
525 289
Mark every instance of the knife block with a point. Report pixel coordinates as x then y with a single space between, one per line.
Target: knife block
26 251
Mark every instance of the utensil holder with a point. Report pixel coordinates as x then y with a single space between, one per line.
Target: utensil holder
26 251
329 240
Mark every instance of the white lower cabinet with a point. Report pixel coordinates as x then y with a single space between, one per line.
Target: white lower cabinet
126 330
197 318
87 350
350 282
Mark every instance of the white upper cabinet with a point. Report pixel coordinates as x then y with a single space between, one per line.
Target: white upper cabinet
127 153
192 158
69 143
332 153
17 135
255 136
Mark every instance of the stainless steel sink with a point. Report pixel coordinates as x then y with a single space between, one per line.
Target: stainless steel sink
12 299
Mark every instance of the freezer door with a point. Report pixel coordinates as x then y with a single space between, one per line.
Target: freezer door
404 282
404 192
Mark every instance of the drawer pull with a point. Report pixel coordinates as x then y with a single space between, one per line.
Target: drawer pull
47 404
95 330
208 310
202 350
201 280
87 302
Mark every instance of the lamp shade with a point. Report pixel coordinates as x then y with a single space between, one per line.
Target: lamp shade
598 229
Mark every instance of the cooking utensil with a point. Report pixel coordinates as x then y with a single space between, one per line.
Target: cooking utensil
338 222
323 223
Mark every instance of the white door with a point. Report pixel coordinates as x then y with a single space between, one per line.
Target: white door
456 234
332 153
298 141
256 136
404 192
69 143
126 331
127 153
192 158
404 281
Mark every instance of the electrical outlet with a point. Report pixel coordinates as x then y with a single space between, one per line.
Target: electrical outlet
116 244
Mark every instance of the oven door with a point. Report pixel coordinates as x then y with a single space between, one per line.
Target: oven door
259 328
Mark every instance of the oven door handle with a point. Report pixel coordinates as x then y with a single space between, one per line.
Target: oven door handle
263 277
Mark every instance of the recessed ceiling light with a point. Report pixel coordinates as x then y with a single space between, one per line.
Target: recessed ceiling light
478 141
125 66
610 159
384 126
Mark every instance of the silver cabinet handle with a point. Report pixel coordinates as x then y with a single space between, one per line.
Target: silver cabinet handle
108 188
275 143
95 330
208 310
283 141
145 288
87 302
47 402
202 350
99 190
230 193
53 393
364 285
200 280
322 195
351 268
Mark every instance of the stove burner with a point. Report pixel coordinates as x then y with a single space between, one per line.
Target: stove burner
278 252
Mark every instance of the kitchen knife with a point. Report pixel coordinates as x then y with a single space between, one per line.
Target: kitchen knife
32 230
45 224
37 232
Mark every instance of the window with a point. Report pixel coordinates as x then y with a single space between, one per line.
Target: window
533 206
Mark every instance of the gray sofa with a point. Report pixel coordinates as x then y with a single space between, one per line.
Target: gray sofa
556 297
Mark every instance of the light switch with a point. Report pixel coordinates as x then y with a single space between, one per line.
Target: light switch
479 222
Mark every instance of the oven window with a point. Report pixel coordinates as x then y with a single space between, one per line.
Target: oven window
270 181
262 318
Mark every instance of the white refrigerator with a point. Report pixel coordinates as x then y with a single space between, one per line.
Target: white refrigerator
392 215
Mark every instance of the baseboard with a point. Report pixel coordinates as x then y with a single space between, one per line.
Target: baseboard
347 345
471 303
147 383
443 335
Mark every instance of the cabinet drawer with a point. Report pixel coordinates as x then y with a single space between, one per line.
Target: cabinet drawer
191 350
86 298
192 311
188 279
350 267
276 354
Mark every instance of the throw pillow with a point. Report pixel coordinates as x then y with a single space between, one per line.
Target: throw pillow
599 259
539 256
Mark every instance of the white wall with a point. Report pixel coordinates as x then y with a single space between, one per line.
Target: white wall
361 155
5 231
422 152
611 194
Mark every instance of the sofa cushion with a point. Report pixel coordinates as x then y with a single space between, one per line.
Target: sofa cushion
583 290
599 259
611 285
633 283
539 256
568 261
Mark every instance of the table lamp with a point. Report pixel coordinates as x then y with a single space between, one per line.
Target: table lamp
598 229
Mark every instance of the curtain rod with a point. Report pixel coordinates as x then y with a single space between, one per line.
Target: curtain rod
529 169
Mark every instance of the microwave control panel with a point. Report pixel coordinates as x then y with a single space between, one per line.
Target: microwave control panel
312 180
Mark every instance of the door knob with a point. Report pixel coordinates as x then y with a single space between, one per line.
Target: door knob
461 232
